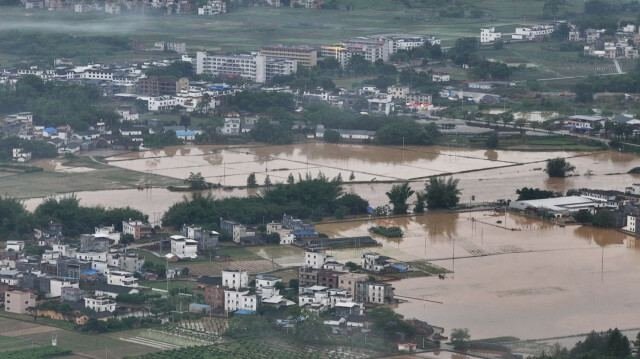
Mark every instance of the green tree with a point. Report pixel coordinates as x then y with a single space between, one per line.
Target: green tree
251 181
559 167
420 202
291 179
196 181
460 338
267 181
442 193
398 196
331 136
492 141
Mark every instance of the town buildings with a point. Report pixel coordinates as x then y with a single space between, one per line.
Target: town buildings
304 56
254 67
19 301
489 35
183 247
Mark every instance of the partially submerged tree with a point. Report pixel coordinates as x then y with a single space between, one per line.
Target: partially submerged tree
559 167
442 193
398 196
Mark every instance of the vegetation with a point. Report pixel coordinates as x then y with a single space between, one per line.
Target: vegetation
56 103
559 167
36 353
442 193
77 219
526 193
39 149
460 338
492 141
162 139
400 132
331 136
611 344
398 196
196 181
389 232
309 198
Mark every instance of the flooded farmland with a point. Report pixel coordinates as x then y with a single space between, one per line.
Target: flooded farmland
530 279
484 175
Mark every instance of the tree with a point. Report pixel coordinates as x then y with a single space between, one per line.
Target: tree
196 181
559 167
331 136
352 176
267 181
492 140
526 193
251 181
604 219
291 179
460 338
420 199
583 216
398 196
441 193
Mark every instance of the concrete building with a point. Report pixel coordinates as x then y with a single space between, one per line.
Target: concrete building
206 239
349 281
489 35
17 301
160 103
57 285
535 32
121 278
154 86
231 126
100 304
254 67
315 259
562 206
235 300
382 103
183 247
235 279
15 246
137 229
305 56
213 7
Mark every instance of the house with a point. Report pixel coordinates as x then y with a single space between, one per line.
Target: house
107 232
188 135
137 229
207 240
440 77
235 279
121 278
382 103
535 32
314 259
15 246
56 285
240 300
489 35
349 281
374 292
231 126
236 230
20 155
266 281
113 291
374 262
183 247
71 294
100 304
18 301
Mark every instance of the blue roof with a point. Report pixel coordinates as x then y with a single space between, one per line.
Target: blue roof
89 272
244 312
185 133
50 130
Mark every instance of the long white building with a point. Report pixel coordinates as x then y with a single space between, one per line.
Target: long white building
255 67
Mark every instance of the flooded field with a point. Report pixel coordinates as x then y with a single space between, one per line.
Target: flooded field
531 280
231 166
484 175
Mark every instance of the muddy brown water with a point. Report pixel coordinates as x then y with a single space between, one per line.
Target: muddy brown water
537 281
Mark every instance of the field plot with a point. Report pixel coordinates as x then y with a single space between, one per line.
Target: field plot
368 163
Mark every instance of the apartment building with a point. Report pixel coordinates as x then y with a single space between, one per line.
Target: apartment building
489 35
100 304
137 229
254 67
235 279
305 56
161 85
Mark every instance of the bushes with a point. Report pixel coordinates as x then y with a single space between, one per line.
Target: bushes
389 232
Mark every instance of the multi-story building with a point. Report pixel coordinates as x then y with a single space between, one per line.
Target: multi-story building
137 229
121 278
207 240
183 247
154 86
374 292
533 32
305 56
18 301
213 7
254 67
243 300
96 75
235 279
160 103
349 281
372 49
489 35
100 304
314 259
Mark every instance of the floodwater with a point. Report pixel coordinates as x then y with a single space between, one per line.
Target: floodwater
485 175
231 166
530 280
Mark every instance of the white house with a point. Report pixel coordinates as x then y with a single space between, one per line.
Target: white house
231 126
266 281
631 225
315 259
489 35
100 304
240 300
107 232
235 279
15 246
374 262
183 247
121 278
440 77
160 103
56 285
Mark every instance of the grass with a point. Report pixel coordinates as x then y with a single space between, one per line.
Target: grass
41 184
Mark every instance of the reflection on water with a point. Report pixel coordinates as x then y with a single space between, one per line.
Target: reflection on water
539 280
